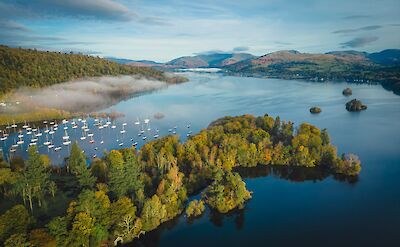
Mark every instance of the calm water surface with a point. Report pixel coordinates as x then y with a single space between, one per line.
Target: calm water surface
288 207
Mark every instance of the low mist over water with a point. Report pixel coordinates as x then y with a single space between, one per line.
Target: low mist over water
88 94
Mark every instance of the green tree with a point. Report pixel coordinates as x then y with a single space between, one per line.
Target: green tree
153 213
14 221
78 166
35 178
227 192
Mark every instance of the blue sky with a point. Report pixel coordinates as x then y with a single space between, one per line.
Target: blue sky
165 29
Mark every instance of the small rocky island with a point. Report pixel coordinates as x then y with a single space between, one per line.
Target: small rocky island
315 110
347 92
355 105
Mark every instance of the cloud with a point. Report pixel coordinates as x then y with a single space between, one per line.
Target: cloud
282 43
13 25
151 20
210 52
366 28
355 17
359 42
237 49
100 9
240 49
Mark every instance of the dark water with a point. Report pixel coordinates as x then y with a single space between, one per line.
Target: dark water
289 207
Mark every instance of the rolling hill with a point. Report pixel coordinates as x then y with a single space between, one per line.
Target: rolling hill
351 66
215 60
32 68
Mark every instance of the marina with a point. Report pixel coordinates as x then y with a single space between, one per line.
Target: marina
92 134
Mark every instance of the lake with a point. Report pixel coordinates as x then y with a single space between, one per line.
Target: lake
289 207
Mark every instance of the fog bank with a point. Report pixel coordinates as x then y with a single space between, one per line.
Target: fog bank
85 95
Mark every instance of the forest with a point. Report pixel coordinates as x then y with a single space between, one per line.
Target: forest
32 68
129 192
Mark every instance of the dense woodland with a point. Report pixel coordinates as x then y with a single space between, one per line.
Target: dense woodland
32 68
130 192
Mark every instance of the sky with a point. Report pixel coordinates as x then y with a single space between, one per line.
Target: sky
162 30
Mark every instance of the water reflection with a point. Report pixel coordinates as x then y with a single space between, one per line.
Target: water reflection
293 173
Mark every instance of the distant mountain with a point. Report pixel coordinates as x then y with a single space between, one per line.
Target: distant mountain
215 60
386 57
138 63
119 60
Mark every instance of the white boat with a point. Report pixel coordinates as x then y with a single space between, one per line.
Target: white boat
51 123
66 143
46 143
86 130
64 121
20 136
101 142
90 134
14 145
75 126
57 149
135 144
156 136
113 127
32 144
146 120
144 138
83 137
137 122
28 128
124 124
174 132
3 138
50 146
29 132
20 141
66 136
13 150
39 134
122 131
121 144
55 128
34 140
